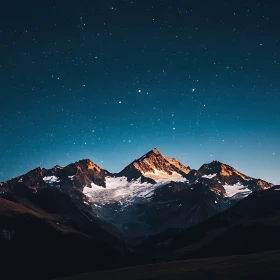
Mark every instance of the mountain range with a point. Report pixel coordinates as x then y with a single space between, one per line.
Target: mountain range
154 209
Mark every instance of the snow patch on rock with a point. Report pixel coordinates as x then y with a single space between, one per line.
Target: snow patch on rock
51 179
236 190
161 175
210 176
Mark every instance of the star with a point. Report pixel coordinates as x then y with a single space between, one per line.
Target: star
193 89
139 90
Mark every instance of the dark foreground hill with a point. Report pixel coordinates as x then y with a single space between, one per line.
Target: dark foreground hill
250 226
40 240
256 266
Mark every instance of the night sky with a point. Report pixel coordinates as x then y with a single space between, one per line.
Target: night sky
109 80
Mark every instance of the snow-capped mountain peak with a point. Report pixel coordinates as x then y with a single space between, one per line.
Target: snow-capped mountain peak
222 169
156 166
226 180
79 174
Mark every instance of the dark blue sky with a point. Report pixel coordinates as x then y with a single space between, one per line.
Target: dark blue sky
109 80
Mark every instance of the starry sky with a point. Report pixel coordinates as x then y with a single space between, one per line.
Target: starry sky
111 79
